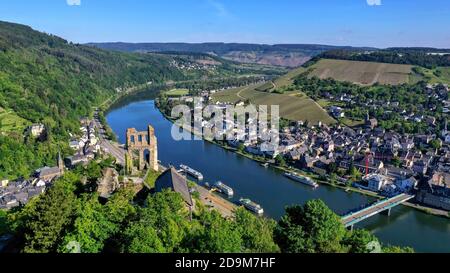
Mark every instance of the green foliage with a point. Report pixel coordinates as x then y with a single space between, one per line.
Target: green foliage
256 232
151 178
91 227
397 250
163 220
313 228
410 97
358 241
45 79
69 212
279 159
46 224
4 227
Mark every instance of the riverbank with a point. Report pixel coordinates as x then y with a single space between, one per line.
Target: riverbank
316 177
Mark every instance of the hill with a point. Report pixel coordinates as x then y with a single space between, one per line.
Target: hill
365 73
45 79
294 104
288 55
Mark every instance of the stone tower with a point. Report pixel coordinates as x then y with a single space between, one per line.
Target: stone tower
141 142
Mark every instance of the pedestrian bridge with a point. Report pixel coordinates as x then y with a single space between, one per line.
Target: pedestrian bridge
384 205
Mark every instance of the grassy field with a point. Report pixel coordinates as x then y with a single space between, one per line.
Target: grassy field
437 75
282 81
177 92
10 122
365 73
293 105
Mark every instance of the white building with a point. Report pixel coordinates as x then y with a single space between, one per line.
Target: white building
375 182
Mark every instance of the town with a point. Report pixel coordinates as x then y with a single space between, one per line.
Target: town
366 157
19 192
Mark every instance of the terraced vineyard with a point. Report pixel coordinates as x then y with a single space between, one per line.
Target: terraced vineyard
365 73
293 105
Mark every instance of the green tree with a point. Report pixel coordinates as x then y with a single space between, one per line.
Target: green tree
256 232
397 249
164 214
214 234
359 241
279 159
46 224
313 228
91 228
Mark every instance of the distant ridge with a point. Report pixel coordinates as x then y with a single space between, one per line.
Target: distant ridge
289 55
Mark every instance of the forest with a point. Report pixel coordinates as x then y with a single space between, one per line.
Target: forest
46 79
72 212
420 57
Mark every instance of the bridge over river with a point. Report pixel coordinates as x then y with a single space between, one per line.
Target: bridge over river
385 205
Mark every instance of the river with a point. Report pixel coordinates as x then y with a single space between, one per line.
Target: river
268 187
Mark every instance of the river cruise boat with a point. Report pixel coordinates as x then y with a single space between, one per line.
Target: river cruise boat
302 179
198 175
222 188
251 206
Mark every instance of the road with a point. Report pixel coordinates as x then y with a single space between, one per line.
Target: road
222 205
374 209
114 149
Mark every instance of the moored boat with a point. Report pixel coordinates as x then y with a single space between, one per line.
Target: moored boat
302 179
221 187
198 175
251 206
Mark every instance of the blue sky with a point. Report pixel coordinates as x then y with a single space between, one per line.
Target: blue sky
379 23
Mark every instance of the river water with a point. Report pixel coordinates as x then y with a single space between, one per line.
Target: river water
268 187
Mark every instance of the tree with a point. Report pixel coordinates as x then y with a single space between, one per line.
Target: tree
397 249
279 159
214 234
360 241
435 144
91 228
165 216
46 224
256 232
241 147
313 228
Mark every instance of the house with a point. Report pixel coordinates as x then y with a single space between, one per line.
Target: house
337 112
406 185
375 182
4 183
371 123
171 179
420 167
50 173
36 130
75 144
436 192
77 159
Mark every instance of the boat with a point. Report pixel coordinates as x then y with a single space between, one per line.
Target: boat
265 165
221 187
251 206
302 179
198 175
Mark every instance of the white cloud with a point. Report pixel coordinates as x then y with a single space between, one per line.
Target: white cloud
374 2
73 2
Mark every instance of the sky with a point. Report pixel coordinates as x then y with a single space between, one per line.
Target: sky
375 23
